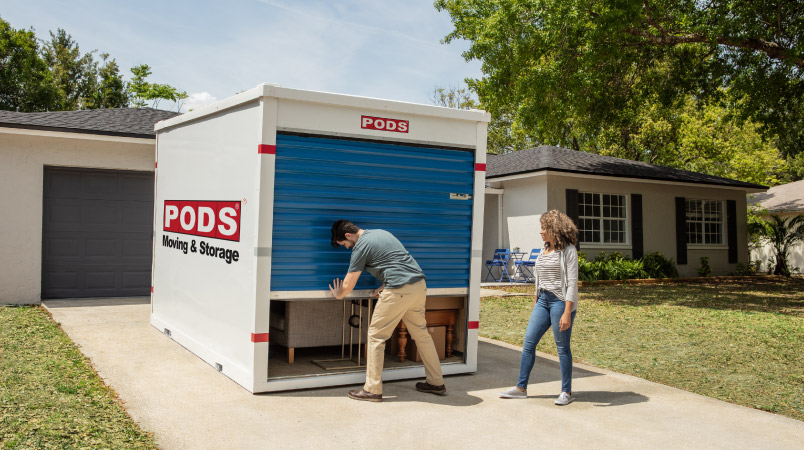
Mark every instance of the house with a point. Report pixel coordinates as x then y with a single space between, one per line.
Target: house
619 205
77 202
786 200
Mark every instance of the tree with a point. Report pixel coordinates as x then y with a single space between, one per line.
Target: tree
25 82
143 91
782 233
502 135
695 137
72 72
58 77
584 73
109 89
453 97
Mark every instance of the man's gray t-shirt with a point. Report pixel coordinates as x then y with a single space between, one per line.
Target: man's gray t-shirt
381 254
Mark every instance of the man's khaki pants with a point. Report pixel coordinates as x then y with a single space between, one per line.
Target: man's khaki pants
405 303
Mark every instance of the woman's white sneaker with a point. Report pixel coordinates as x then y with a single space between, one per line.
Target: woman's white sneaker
564 399
514 392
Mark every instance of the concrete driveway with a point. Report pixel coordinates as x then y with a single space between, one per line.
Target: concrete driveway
189 405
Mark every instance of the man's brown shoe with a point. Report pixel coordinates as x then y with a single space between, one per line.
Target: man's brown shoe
365 396
427 387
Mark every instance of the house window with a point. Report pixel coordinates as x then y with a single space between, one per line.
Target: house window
704 222
601 218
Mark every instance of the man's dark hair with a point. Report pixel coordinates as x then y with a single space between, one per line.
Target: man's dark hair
339 230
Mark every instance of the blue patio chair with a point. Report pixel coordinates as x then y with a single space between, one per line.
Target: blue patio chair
524 268
500 259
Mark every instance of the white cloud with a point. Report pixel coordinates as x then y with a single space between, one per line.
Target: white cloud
197 100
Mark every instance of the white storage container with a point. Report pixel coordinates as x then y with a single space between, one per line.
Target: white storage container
246 192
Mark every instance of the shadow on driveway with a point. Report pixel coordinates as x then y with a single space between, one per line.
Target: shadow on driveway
497 371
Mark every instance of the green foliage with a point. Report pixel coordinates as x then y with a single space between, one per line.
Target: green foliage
782 234
453 97
657 266
72 73
25 81
648 81
59 77
704 270
143 91
614 266
751 268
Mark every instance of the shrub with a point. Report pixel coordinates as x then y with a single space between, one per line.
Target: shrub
705 270
614 266
752 268
657 266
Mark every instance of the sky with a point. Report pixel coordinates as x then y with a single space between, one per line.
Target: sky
215 49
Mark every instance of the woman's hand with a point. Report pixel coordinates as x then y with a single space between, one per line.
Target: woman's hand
565 322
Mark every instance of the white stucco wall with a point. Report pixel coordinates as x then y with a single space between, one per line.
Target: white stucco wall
23 156
766 253
524 201
532 196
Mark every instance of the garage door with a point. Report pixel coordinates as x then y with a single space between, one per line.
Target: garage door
423 195
97 233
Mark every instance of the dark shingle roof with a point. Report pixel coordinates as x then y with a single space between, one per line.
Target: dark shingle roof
547 157
125 122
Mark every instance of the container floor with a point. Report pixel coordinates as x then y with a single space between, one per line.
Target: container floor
303 364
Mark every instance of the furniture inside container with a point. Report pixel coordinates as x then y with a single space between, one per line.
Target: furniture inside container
323 337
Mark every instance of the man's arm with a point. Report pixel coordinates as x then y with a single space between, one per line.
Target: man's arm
341 289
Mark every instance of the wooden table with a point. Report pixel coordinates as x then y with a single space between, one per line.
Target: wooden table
435 318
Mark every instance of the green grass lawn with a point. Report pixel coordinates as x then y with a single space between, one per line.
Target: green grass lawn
50 397
738 341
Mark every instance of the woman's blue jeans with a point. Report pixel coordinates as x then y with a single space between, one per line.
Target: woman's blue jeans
547 313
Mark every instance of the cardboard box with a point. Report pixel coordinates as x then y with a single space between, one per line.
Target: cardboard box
439 335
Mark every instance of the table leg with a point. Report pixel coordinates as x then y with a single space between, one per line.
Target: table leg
402 340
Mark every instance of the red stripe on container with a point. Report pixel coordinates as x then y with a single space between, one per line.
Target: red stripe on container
259 337
156 164
480 167
266 149
474 325
152 289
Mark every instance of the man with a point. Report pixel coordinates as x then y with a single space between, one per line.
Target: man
401 297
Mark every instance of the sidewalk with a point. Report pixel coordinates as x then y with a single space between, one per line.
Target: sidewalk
189 405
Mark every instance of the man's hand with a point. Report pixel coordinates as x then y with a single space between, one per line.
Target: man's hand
335 288
376 292
341 289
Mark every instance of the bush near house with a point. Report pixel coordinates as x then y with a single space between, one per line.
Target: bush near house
616 266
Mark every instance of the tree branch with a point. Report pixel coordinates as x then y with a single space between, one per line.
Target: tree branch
772 49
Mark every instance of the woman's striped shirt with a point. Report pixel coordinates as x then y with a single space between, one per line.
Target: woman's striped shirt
548 266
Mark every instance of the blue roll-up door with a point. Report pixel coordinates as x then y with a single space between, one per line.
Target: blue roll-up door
407 190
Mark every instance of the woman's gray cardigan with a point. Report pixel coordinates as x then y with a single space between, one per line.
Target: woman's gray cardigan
569 275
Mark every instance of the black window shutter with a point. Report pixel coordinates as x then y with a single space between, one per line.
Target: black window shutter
731 229
681 230
572 208
637 246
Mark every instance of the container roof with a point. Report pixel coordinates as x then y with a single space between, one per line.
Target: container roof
327 98
123 122
548 157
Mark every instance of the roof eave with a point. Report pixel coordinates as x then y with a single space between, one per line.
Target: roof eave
748 187
76 130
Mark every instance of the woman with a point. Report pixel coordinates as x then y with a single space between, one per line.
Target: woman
554 303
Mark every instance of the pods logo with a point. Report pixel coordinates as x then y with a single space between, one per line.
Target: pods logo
383 124
220 220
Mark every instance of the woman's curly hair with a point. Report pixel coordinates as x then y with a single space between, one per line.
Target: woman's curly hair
561 227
